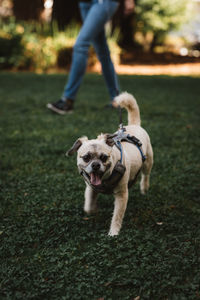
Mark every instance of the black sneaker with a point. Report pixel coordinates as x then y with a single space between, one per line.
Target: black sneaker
62 107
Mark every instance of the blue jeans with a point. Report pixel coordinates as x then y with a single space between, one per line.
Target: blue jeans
95 14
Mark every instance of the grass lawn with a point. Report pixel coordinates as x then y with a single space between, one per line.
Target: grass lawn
49 249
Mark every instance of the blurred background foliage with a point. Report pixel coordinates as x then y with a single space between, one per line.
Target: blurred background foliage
39 35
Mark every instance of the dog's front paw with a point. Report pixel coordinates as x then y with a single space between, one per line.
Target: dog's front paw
144 184
91 211
90 207
143 191
113 232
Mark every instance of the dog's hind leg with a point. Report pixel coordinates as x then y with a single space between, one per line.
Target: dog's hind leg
146 170
90 205
121 200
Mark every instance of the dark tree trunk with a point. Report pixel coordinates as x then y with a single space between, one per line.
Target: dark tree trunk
126 25
65 11
28 10
155 42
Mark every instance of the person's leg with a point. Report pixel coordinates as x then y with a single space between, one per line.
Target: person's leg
96 15
103 53
66 103
95 19
79 57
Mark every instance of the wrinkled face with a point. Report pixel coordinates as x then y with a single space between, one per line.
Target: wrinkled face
95 159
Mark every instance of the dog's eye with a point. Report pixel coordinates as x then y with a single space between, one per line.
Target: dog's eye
86 157
103 158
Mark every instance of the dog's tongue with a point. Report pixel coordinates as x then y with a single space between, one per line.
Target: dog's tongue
95 179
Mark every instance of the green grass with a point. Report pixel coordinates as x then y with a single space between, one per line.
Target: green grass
49 249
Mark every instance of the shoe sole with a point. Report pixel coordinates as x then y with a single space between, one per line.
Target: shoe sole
58 111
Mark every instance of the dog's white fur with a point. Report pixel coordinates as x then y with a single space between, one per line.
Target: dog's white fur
131 159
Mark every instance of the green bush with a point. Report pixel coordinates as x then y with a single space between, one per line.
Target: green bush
32 46
40 47
11 50
161 17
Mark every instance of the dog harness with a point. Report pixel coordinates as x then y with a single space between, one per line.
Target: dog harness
107 186
121 136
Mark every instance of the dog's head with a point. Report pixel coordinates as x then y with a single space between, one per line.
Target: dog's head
95 157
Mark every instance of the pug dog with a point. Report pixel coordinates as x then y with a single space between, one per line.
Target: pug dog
108 166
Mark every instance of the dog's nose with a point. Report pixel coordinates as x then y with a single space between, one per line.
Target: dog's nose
96 165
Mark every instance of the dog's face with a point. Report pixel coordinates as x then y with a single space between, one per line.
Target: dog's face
94 157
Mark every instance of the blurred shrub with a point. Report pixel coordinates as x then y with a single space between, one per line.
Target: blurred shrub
160 17
11 50
64 57
11 45
40 47
33 46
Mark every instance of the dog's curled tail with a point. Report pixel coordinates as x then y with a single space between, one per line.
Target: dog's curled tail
127 101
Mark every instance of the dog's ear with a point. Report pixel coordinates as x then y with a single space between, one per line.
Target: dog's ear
76 146
109 139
